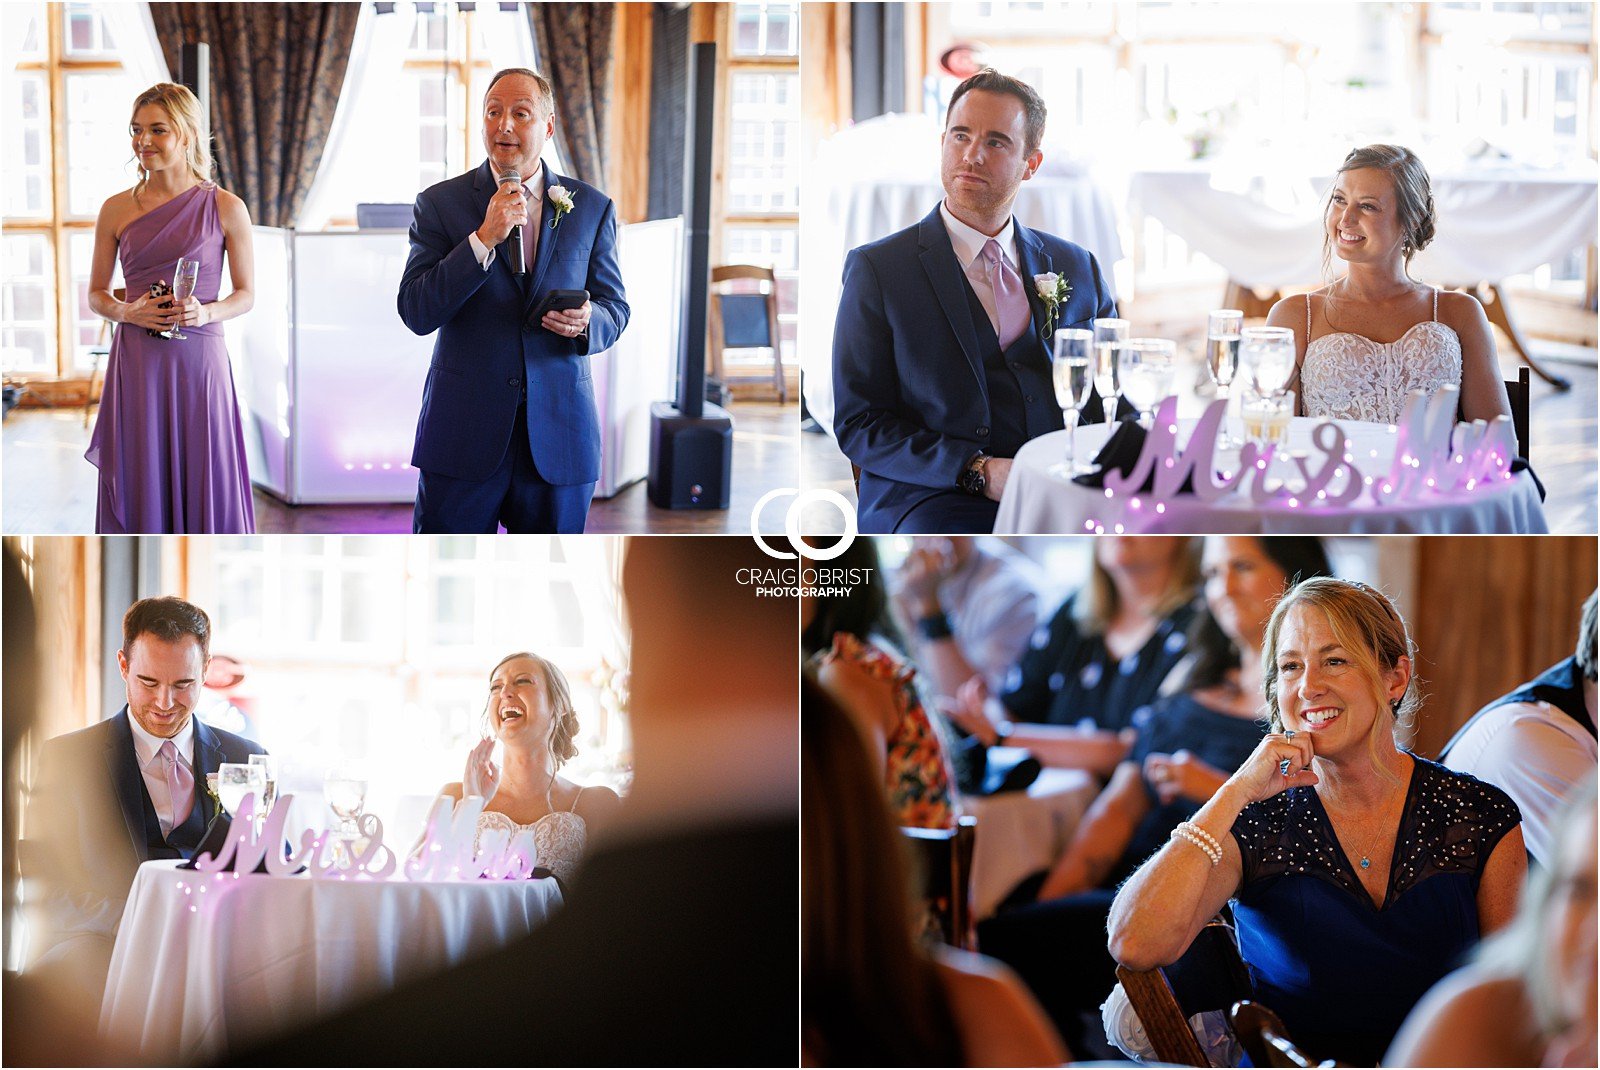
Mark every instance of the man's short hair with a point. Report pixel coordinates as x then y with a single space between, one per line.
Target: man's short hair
167 618
993 81
547 96
1585 654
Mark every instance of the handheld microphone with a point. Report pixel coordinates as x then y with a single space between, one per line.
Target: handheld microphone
518 263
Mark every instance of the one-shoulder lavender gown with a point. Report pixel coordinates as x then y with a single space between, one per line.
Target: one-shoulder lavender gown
169 443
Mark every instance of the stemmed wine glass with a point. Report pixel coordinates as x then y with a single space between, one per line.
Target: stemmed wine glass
1072 375
1222 359
1109 337
235 780
269 790
346 790
1267 354
1146 371
184 278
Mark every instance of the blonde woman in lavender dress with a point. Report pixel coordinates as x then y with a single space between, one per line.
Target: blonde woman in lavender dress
530 714
168 444
1369 338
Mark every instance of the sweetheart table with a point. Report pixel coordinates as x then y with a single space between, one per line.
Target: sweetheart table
1038 501
205 963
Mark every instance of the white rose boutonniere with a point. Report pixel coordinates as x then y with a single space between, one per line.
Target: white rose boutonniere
1054 291
561 199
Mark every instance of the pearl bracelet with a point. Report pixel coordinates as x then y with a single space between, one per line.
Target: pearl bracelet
1203 834
1182 832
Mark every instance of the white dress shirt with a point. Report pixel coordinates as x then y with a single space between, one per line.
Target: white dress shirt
533 189
968 243
153 767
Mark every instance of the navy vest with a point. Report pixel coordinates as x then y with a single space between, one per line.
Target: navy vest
1022 397
1561 686
184 838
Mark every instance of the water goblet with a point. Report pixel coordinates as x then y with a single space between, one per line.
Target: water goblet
269 791
1267 354
1072 375
1146 370
345 788
235 780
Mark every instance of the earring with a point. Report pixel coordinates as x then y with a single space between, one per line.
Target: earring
1394 707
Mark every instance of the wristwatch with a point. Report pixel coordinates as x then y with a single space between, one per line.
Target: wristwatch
972 478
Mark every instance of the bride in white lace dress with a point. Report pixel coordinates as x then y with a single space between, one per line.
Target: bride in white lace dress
1365 341
531 715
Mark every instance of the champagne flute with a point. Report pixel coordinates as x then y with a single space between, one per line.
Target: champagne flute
184 278
1267 354
1109 337
269 791
1222 359
1072 376
235 780
1146 371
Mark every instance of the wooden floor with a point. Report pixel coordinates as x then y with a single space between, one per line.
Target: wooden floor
49 489
1564 427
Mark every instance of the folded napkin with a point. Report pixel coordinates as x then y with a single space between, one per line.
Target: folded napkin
1121 453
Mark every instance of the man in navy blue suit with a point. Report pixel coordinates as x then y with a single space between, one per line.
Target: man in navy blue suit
124 791
941 366
509 433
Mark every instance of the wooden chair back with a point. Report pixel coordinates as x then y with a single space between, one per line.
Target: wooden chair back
720 335
1209 976
1265 1040
1518 393
944 868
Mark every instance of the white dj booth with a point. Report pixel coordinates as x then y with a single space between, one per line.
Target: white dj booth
330 381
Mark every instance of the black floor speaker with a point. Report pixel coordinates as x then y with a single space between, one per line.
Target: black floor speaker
691 458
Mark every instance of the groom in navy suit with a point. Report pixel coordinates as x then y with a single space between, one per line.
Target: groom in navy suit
941 365
508 432
126 790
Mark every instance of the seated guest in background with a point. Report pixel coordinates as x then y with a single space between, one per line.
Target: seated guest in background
1360 874
530 714
1528 998
972 604
1538 741
1106 653
941 349
870 995
1369 338
677 945
126 790
1190 742
852 641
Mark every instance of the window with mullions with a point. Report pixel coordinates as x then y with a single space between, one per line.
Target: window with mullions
65 142
379 650
761 200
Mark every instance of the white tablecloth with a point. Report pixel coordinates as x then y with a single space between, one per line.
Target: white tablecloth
1493 222
195 971
1023 832
885 177
1037 501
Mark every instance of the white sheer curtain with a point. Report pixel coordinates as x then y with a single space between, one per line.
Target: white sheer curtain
137 44
359 122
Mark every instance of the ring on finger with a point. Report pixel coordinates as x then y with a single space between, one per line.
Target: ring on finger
1283 767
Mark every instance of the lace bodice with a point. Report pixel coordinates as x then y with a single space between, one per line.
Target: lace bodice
559 838
1348 376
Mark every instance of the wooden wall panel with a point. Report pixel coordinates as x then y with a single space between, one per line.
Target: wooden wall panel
629 151
1490 612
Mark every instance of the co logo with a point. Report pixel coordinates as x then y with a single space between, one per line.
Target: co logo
791 523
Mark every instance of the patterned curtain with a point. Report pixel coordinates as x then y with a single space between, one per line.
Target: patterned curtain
276 72
573 43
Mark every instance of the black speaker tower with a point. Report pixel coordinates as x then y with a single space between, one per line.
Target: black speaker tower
691 441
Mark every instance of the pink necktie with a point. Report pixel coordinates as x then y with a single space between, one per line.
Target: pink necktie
1010 303
180 784
530 231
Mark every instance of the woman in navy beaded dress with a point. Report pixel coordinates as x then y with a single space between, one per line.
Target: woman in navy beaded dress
1360 874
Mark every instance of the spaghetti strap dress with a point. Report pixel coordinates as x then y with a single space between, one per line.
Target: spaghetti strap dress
169 443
